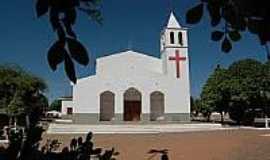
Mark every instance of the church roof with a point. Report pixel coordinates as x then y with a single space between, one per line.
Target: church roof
128 52
66 98
172 22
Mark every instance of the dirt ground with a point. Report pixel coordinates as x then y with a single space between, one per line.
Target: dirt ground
211 145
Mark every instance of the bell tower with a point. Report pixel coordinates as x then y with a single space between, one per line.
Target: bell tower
174 50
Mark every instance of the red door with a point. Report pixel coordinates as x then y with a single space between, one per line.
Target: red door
132 110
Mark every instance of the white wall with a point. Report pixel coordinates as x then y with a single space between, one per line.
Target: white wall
123 72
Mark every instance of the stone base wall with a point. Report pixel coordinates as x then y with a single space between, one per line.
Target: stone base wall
92 118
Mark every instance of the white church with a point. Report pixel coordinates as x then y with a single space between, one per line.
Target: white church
134 87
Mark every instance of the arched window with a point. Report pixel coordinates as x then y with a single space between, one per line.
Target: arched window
172 37
180 38
157 102
106 106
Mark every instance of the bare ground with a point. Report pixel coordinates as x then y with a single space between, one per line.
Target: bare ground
208 145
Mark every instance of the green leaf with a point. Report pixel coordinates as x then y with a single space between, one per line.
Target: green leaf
235 35
194 15
217 35
56 54
226 45
70 69
78 51
42 7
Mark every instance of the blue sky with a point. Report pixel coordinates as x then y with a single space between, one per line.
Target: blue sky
25 39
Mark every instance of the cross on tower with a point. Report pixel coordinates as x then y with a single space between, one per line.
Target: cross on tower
177 60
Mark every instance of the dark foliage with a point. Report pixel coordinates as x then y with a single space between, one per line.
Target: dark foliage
195 14
226 45
163 154
217 35
27 148
62 16
3 120
234 17
21 95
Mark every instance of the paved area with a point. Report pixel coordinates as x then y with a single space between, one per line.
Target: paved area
236 144
132 129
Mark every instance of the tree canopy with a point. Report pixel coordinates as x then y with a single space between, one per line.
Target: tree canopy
21 92
240 90
56 105
215 93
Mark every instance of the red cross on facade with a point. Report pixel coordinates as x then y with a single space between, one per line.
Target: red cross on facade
177 60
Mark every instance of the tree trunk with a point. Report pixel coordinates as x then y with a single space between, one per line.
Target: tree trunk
15 123
238 122
221 117
23 144
10 121
27 121
208 117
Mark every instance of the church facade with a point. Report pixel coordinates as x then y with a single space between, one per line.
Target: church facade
133 87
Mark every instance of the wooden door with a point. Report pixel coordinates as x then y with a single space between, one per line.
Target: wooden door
132 110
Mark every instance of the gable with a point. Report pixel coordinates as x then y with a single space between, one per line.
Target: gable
128 62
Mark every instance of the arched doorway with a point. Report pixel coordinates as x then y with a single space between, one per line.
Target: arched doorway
132 105
157 106
106 106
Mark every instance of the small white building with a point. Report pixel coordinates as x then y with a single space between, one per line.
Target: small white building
132 86
66 106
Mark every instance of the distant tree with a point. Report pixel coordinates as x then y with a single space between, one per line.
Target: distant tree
207 109
21 93
56 105
62 17
265 93
240 90
231 17
195 106
247 81
191 103
15 107
215 94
